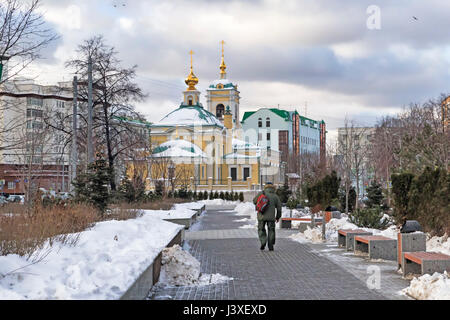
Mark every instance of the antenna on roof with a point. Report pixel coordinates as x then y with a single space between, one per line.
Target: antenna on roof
278 106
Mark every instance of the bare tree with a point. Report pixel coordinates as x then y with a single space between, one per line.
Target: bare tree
23 34
114 95
352 150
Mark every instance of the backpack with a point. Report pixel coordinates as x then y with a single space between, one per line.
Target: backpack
262 203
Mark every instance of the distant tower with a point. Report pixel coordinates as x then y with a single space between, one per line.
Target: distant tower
191 95
222 93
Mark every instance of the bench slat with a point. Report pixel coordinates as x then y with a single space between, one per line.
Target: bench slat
419 256
344 232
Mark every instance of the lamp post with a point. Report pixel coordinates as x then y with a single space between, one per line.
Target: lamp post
171 175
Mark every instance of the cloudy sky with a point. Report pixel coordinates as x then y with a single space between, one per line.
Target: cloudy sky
319 54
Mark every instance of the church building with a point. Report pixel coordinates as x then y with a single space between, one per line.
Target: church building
202 149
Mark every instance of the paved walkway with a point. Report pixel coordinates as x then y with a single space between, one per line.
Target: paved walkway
292 271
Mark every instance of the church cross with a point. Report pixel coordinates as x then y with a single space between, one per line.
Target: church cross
222 42
191 53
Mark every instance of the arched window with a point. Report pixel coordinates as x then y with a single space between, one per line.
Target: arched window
220 110
267 122
259 122
190 100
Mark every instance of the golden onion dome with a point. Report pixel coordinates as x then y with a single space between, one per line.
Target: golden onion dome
223 66
191 80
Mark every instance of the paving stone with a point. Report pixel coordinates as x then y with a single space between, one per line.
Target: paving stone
292 271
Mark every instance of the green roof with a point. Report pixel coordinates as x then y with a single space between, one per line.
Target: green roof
286 115
136 121
247 114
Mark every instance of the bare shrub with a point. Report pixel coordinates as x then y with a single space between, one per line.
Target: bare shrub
25 232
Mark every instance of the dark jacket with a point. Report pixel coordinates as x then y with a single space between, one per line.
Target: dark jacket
274 203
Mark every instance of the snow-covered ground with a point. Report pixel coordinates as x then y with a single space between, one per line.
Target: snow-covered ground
430 287
105 262
332 227
426 287
439 244
180 268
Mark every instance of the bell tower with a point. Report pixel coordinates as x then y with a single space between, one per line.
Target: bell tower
191 95
222 93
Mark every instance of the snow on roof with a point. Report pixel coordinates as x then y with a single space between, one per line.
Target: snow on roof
178 148
240 156
190 116
225 82
240 144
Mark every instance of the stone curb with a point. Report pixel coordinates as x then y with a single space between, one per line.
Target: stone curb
140 288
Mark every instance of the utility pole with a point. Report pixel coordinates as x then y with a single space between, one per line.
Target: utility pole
90 146
74 131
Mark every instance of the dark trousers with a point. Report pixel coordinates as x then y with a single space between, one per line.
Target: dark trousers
263 235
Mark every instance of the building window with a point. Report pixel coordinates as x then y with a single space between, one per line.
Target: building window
268 135
246 173
203 172
220 110
259 136
233 174
11 185
268 122
34 113
60 104
259 122
34 102
190 100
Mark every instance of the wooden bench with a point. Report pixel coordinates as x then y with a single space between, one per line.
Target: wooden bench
376 247
346 237
286 223
421 262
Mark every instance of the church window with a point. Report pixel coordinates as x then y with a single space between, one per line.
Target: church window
267 122
268 135
220 110
190 100
259 122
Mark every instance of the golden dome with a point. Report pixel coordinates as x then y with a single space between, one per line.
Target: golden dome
223 66
191 80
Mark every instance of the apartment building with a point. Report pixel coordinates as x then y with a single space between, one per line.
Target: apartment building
33 154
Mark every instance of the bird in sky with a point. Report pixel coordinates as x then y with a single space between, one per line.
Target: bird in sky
415 18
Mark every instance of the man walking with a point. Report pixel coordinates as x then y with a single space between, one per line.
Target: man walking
268 216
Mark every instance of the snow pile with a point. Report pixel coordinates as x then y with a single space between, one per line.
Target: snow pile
332 227
430 287
105 262
180 268
439 244
314 235
310 235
